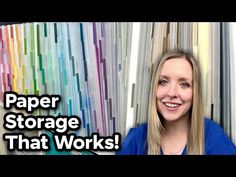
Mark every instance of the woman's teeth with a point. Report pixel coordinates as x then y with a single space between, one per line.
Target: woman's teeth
171 105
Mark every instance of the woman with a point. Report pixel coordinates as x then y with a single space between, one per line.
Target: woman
176 123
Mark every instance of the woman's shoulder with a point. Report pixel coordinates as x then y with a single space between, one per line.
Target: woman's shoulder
141 127
216 139
134 142
139 130
213 129
211 125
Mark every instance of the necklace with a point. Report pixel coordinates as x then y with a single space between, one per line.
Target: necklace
178 152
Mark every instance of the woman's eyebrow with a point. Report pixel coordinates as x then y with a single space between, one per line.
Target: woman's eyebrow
185 79
180 79
164 76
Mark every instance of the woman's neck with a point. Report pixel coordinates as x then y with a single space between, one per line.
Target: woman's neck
175 137
177 127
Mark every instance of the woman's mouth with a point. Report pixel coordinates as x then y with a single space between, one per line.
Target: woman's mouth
171 106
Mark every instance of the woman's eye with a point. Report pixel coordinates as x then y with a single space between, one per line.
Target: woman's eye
185 85
163 82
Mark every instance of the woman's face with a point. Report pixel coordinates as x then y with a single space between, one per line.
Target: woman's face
174 91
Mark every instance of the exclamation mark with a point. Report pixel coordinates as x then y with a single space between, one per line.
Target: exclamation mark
117 140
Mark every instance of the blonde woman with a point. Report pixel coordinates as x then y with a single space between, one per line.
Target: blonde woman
176 123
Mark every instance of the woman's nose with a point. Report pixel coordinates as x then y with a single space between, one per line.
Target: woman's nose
173 91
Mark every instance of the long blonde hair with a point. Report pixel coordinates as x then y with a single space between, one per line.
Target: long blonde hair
195 139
